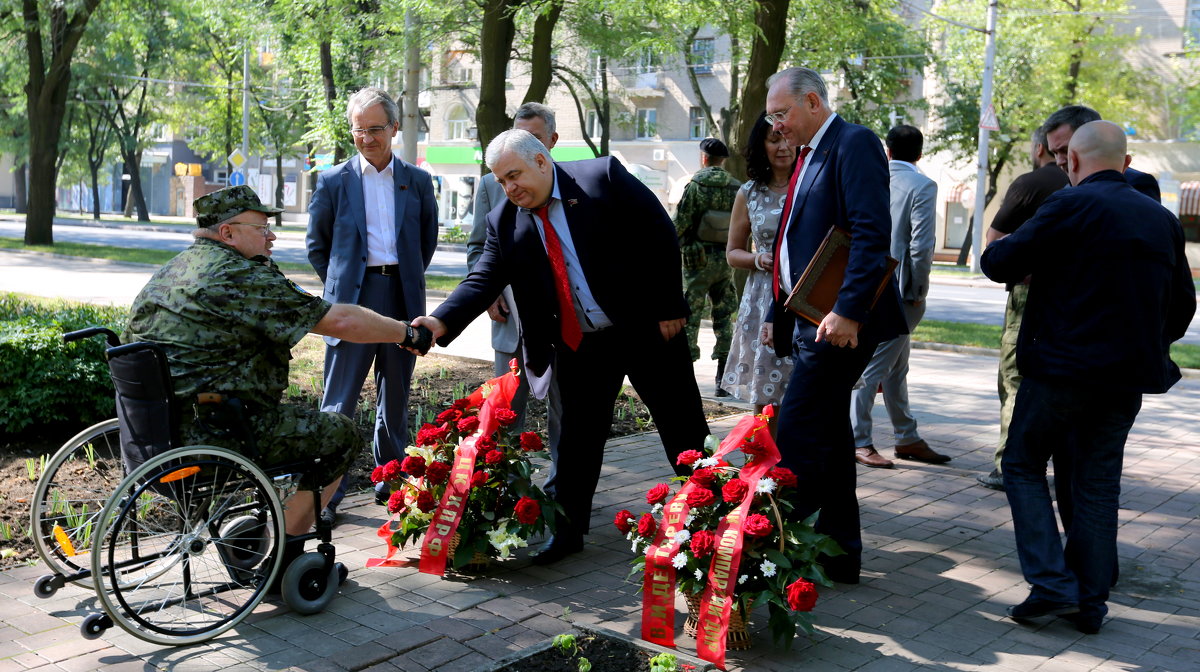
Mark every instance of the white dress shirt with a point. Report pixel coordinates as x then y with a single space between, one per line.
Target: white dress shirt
785 275
379 201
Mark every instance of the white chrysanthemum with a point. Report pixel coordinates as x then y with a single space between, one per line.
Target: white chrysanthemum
505 542
422 452
682 536
636 542
765 486
690 518
742 579
706 462
680 560
656 509
767 568
699 575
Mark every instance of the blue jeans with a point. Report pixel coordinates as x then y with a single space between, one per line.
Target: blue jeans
1083 430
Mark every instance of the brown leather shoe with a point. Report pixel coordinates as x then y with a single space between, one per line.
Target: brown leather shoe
869 457
921 452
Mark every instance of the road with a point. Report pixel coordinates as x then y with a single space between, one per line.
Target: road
978 300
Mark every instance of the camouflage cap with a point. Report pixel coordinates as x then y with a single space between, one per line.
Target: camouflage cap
227 203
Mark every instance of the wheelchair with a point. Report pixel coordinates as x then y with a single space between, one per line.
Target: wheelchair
190 539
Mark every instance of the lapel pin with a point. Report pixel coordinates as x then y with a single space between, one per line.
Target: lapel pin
403 187
572 201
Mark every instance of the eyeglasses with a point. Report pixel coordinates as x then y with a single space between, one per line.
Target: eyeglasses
776 117
264 229
373 131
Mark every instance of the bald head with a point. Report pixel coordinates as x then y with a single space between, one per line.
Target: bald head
1096 146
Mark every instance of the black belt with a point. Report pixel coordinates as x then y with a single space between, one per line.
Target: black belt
389 269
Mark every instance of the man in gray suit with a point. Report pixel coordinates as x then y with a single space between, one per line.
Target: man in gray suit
506 324
372 230
914 199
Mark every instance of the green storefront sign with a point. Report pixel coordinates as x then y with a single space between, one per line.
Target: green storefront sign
474 155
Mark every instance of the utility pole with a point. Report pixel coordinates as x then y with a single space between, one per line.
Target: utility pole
412 85
246 100
985 103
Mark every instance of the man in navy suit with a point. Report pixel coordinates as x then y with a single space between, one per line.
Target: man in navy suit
594 264
1110 290
372 230
841 179
1061 125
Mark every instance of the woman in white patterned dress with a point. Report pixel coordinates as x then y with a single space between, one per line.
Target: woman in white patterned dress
753 372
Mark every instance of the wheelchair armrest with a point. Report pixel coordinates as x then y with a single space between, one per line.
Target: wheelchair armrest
113 340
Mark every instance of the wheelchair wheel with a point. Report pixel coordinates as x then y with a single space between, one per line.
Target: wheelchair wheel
307 587
69 496
187 545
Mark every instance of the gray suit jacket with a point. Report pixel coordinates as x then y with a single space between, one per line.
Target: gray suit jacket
914 204
506 336
337 233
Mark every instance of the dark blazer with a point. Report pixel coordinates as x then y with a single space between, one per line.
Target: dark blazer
1143 182
846 185
1111 288
337 233
626 245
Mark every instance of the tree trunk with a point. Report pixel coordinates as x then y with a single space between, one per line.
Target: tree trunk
326 55
688 40
279 184
765 52
43 150
495 50
95 171
20 194
605 112
541 71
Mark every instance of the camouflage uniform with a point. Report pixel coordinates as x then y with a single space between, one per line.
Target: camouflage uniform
706 274
227 324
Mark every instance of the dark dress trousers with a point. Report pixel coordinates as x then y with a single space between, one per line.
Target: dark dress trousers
846 185
630 258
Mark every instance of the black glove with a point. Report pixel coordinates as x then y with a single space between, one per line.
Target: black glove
418 338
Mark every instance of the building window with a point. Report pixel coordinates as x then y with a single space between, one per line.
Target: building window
703 50
457 123
1191 25
593 128
697 124
647 123
455 70
648 60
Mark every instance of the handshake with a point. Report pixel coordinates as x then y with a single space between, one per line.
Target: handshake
421 333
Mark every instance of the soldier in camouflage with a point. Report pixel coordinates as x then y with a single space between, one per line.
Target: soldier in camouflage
702 225
227 319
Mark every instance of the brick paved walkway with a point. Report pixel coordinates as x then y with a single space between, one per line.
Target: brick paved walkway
939 570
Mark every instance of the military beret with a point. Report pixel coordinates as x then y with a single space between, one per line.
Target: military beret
228 203
714 147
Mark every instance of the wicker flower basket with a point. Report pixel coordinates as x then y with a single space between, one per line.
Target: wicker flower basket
738 636
478 564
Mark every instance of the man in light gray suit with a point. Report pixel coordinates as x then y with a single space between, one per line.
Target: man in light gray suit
913 201
506 324
372 230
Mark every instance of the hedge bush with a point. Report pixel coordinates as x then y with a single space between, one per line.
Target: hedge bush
44 381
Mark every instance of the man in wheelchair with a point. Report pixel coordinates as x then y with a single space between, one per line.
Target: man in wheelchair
227 318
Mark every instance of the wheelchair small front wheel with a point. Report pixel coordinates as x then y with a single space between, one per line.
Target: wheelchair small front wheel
46 586
94 625
307 586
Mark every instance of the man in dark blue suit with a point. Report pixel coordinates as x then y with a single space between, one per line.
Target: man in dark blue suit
594 264
372 230
1110 290
1061 125
841 180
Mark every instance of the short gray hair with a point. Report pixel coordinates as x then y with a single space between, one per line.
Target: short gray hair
536 111
365 98
801 82
523 143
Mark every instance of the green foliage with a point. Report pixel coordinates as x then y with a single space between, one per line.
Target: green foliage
664 662
454 234
46 380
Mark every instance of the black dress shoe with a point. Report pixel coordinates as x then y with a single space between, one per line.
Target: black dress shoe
1036 607
382 493
1087 623
556 549
840 572
329 517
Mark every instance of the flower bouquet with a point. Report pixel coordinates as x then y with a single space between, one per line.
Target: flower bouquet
727 540
465 489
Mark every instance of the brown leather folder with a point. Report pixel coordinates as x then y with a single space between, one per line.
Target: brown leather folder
816 293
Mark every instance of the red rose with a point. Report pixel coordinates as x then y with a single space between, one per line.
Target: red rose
505 417
703 543
377 475
478 479
413 465
485 443
622 521
392 471
437 473
493 457
658 494
735 490
646 525
527 510
461 404
530 441
700 497
752 448
758 525
783 476
469 424
425 500
428 435
448 415
689 457
802 595
705 477
396 502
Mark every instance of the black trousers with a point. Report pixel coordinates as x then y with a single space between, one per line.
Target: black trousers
589 381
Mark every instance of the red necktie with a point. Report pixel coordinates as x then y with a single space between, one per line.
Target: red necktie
787 212
572 334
